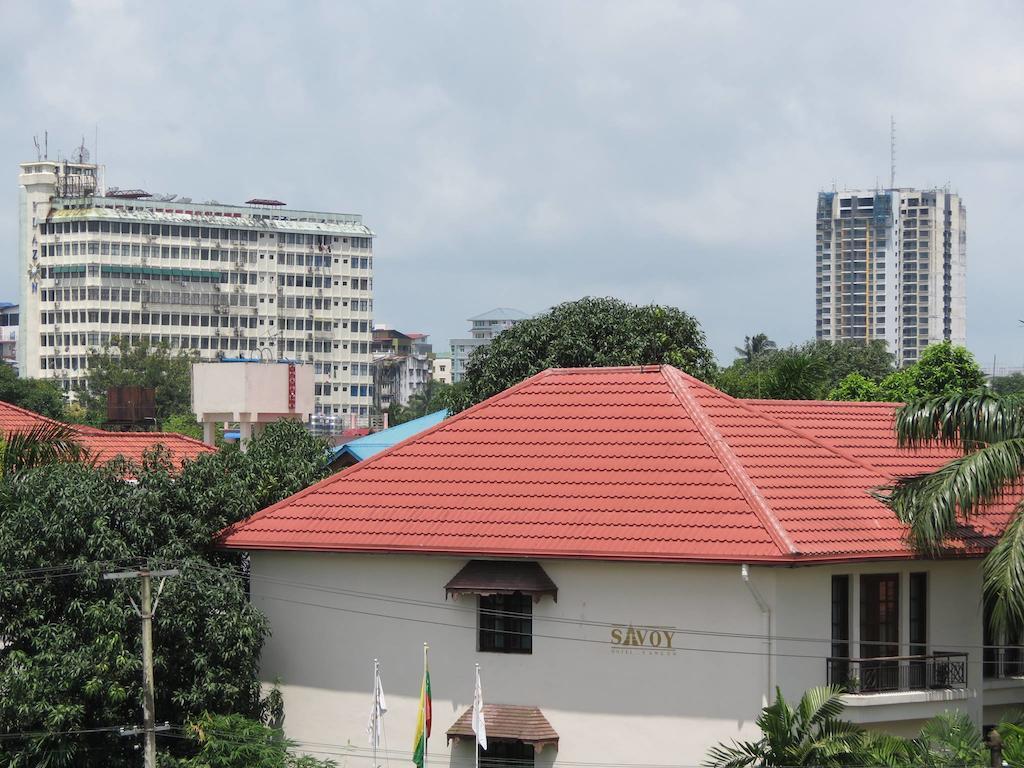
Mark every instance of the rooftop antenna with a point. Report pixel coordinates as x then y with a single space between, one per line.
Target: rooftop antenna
46 145
892 152
39 152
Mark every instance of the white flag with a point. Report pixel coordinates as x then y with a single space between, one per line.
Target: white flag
479 725
375 727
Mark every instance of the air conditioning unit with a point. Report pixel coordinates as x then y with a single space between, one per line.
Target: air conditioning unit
57 281
309 335
216 286
141 282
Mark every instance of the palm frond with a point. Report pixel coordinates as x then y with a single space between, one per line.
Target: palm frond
968 421
1003 575
821 704
47 443
883 749
739 754
934 504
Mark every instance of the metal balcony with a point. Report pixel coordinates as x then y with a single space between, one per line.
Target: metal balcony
889 674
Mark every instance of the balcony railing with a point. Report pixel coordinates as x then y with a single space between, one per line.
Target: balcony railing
939 671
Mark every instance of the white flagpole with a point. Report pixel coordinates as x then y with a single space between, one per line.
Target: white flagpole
476 740
425 699
376 713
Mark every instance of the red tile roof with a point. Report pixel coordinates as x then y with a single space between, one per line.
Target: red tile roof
107 445
618 463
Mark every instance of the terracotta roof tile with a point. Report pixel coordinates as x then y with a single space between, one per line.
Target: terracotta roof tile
508 722
107 445
632 463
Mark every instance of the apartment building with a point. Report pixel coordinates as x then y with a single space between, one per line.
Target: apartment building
891 265
8 332
401 363
482 329
255 280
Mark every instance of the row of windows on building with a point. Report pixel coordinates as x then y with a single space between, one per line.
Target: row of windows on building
174 252
306 346
196 233
194 298
196 276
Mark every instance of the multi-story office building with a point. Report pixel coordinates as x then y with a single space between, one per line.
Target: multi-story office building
8 333
482 329
257 280
891 264
401 363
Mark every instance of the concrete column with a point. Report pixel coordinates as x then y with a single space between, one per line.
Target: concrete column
244 434
209 432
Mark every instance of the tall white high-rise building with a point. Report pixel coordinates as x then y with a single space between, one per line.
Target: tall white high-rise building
483 329
891 265
257 280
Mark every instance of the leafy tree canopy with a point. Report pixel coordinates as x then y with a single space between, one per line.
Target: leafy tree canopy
1009 385
943 370
432 397
183 424
234 741
37 395
71 656
753 346
813 734
583 333
122 363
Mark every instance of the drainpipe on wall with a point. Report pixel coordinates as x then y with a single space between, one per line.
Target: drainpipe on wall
766 611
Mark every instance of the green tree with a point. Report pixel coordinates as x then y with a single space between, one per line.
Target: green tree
1005 385
122 363
855 387
183 424
583 333
43 444
988 430
841 358
754 346
234 741
811 734
37 395
71 654
946 370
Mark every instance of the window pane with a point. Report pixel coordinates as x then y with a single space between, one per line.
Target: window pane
506 623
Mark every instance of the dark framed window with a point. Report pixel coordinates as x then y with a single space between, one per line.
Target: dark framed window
506 623
840 666
879 632
507 754
918 614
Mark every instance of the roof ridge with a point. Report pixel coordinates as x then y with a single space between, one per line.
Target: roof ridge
680 387
386 452
831 403
36 415
815 439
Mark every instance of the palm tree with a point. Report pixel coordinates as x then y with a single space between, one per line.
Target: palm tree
46 443
809 735
753 346
988 430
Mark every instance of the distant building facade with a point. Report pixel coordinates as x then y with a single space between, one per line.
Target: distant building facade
441 370
482 329
257 280
891 264
9 333
401 365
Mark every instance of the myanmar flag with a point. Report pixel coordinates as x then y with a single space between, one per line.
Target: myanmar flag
419 750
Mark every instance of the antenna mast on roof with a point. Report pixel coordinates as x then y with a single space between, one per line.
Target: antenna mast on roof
892 152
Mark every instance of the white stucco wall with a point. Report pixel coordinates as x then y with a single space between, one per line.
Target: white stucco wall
608 706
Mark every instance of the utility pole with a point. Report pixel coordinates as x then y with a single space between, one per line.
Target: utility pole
146 613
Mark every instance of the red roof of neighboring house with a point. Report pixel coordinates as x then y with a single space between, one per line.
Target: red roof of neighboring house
619 463
107 445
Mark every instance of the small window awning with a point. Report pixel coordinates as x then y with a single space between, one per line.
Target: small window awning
508 722
502 577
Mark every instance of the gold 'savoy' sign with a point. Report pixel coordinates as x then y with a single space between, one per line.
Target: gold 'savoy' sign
646 638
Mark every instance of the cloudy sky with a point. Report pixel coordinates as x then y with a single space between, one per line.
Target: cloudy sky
525 153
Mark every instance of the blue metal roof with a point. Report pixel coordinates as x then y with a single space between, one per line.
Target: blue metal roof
370 445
